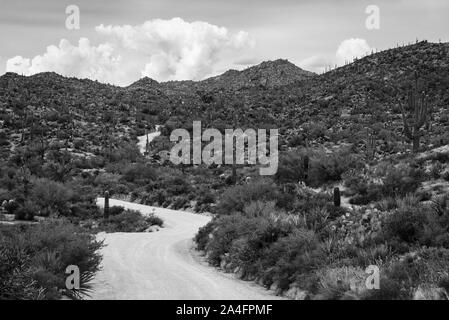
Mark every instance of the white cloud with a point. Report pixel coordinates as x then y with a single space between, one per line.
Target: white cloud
161 49
352 48
316 64
346 52
84 61
18 65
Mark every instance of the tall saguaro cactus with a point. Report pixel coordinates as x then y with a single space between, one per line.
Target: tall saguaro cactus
337 197
418 106
306 161
371 143
106 204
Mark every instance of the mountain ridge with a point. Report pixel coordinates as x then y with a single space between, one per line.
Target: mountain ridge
365 90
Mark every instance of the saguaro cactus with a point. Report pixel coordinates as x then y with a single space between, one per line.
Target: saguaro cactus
371 143
417 104
337 197
106 204
306 161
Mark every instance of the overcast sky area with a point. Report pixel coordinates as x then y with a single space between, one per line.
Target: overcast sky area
121 41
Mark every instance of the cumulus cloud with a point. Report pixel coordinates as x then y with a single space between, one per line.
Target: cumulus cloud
84 61
161 49
346 52
352 48
316 64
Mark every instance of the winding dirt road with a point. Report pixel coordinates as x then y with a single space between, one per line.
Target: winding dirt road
163 265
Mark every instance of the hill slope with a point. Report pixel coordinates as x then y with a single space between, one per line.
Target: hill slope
338 105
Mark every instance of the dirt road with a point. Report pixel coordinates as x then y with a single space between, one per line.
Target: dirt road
164 265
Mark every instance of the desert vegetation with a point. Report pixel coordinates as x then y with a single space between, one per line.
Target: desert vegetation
302 243
363 174
34 259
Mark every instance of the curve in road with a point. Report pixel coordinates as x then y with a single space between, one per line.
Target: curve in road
163 265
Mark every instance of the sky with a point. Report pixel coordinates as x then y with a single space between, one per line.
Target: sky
121 41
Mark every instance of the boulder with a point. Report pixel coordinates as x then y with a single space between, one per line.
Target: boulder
153 229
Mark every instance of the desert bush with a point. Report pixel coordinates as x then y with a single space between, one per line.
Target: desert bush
323 167
235 199
202 237
128 221
401 180
291 167
424 267
46 249
16 281
51 196
139 172
11 207
154 220
228 229
116 210
334 283
293 258
26 211
180 202
406 224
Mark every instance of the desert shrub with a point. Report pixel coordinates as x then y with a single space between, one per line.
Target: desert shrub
445 175
308 203
26 211
46 249
128 221
248 250
334 283
389 290
436 170
387 204
51 196
323 167
235 199
177 186
202 237
356 183
316 219
291 167
426 266
401 180
293 258
11 207
154 220
16 281
116 210
180 202
315 130
139 172
372 193
296 140
107 181
260 209
228 229
406 224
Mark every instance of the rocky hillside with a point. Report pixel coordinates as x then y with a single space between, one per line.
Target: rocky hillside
339 106
268 74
